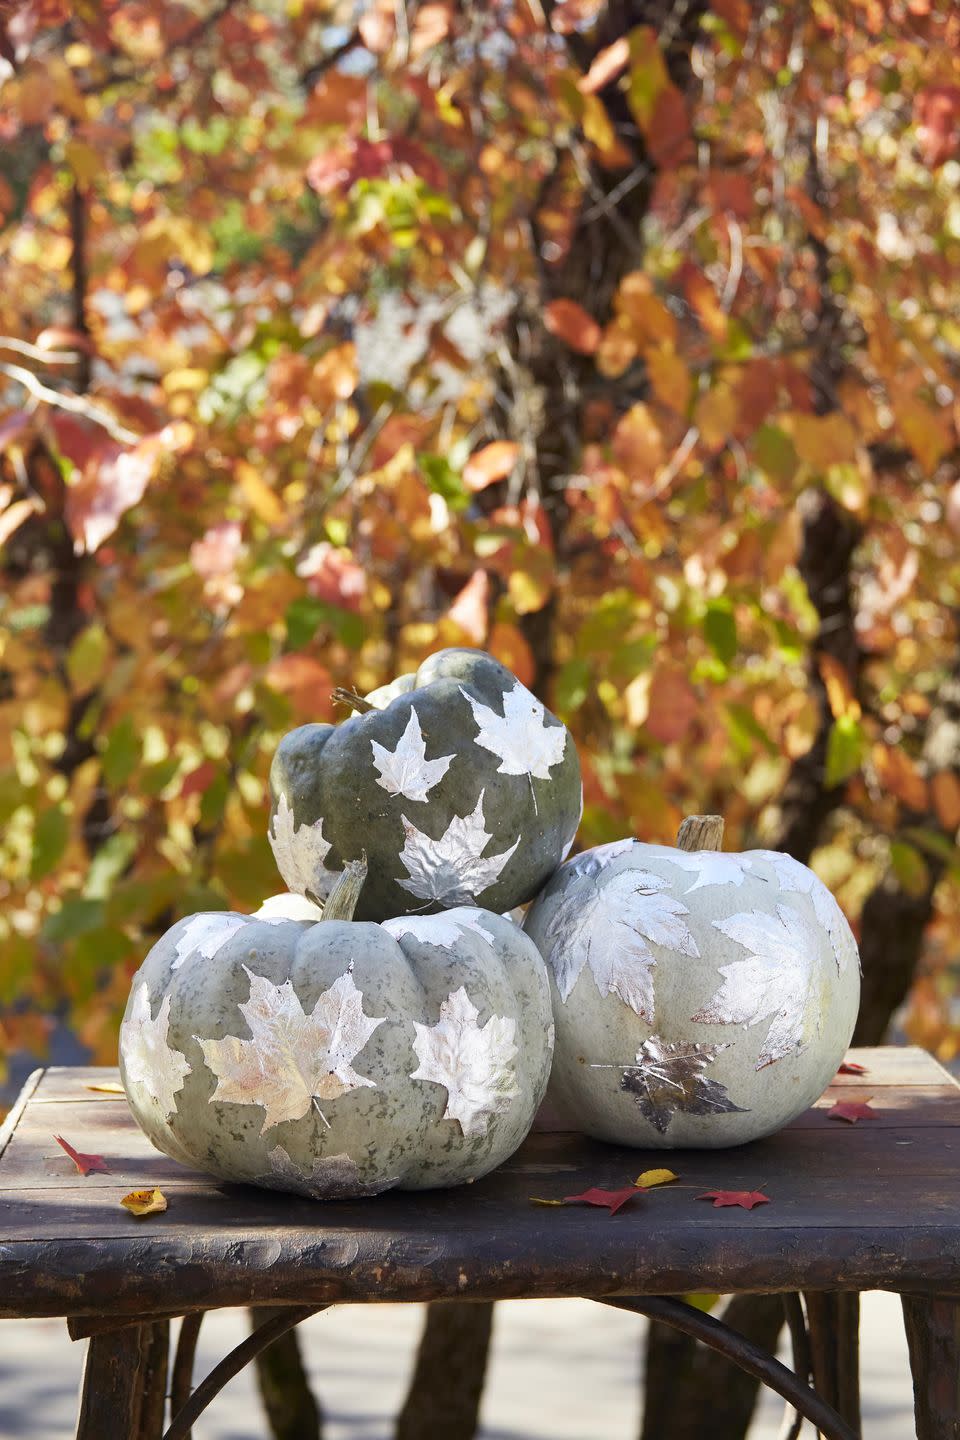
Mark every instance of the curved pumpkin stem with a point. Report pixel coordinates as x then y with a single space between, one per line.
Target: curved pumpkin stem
340 696
700 832
342 900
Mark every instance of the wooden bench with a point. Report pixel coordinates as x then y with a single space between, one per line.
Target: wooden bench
853 1207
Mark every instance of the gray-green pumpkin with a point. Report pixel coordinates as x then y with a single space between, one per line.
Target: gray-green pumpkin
701 998
457 784
338 1058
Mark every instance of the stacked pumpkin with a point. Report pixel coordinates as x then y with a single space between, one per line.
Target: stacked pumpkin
402 1034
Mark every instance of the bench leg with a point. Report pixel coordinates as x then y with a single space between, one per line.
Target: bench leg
112 1384
932 1323
833 1322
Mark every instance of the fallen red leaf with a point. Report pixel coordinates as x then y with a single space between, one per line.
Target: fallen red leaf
851 1111
611 1200
852 1067
86 1164
746 1199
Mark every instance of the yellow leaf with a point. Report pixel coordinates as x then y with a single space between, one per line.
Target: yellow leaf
823 440
85 162
109 1087
535 1200
144 1202
839 689
186 379
649 1178
669 378
263 501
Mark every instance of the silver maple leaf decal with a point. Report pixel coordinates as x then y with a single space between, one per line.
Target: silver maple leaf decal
520 739
591 862
474 1063
147 1058
444 929
776 981
406 770
330 1177
711 867
451 869
610 927
204 935
667 1078
799 878
300 851
292 1059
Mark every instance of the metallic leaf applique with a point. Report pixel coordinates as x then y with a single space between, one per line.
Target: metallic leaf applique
406 770
668 1078
608 927
776 982
300 851
451 869
331 1177
711 867
147 1058
444 929
291 1059
474 1063
205 934
519 738
591 862
567 842
800 879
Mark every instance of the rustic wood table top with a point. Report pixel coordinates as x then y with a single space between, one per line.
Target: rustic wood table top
871 1205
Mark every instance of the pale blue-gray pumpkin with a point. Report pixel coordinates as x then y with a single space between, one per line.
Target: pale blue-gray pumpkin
701 998
455 781
338 1058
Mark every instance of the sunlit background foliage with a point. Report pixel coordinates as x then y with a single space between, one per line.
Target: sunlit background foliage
618 339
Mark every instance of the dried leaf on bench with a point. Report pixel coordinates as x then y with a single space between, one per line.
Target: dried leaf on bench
86 1164
650 1178
109 1087
851 1111
852 1067
145 1202
746 1199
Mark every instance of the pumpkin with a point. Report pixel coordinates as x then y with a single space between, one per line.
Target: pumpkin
333 1057
460 787
701 999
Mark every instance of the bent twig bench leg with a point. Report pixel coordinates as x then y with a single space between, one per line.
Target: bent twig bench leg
932 1323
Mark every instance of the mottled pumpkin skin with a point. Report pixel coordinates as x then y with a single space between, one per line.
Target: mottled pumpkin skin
386 1129
701 999
325 775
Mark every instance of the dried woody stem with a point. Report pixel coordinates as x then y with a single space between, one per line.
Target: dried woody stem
700 832
340 696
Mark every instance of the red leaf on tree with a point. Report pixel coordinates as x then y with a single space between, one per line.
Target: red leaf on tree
198 780
937 113
746 1199
494 462
470 608
570 323
851 1111
86 1164
852 1067
606 66
612 1200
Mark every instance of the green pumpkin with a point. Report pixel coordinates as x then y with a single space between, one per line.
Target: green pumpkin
455 782
331 1058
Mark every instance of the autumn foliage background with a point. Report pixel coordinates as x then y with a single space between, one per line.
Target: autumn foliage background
618 339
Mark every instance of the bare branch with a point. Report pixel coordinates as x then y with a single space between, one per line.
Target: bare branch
76 404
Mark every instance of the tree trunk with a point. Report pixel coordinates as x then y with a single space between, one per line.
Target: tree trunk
447 1383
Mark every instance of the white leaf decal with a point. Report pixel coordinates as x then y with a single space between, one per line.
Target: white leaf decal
277 909
775 982
567 844
330 1177
711 867
300 851
519 738
406 770
473 1063
147 1058
591 862
451 869
291 1058
608 927
799 878
444 929
205 934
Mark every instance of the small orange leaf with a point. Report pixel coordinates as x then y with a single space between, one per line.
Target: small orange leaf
86 1164
851 1111
899 776
945 793
570 323
494 462
109 1087
145 1202
606 66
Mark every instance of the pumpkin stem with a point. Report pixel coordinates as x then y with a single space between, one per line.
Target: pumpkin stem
351 698
342 900
700 832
